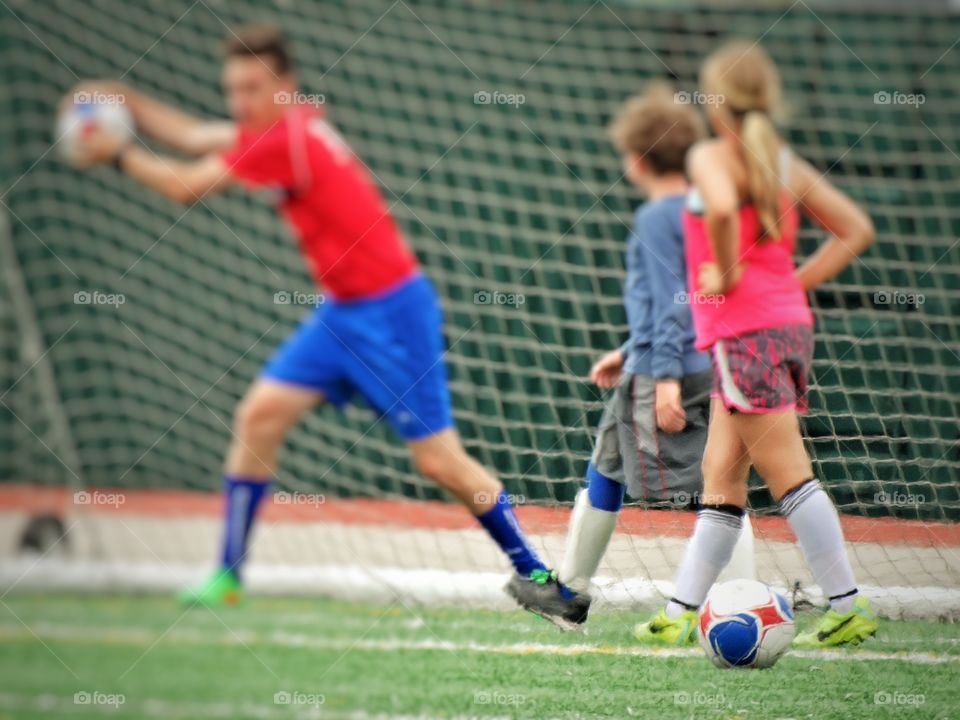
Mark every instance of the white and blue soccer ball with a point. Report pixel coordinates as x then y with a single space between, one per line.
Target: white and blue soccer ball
745 624
86 112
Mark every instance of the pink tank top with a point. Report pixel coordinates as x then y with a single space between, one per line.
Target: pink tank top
768 294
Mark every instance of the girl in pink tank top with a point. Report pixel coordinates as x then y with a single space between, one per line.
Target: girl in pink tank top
768 294
751 313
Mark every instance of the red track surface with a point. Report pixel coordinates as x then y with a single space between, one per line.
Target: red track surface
441 516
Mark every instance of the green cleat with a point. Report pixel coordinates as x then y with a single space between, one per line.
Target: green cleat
834 628
666 632
221 588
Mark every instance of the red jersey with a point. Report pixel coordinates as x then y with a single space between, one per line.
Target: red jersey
346 232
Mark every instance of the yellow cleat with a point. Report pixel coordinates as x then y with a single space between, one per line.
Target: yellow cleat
666 632
835 629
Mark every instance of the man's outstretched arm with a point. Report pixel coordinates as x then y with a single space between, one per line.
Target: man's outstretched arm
181 181
164 123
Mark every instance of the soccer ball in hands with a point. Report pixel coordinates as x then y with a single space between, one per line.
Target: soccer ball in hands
744 623
87 112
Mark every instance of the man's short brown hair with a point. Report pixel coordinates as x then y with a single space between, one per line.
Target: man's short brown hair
658 126
262 41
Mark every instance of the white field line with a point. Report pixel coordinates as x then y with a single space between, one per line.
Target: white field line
428 587
145 636
58 706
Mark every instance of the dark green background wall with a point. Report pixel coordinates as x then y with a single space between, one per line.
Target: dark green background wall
521 198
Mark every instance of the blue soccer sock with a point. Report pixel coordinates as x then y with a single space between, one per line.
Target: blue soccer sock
243 496
501 523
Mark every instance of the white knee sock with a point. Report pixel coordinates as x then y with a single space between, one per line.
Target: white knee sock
587 540
743 560
816 524
708 551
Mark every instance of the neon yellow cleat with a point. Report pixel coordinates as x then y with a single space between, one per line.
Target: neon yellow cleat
221 588
664 631
834 628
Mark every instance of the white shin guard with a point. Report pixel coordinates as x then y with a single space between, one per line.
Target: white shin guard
587 539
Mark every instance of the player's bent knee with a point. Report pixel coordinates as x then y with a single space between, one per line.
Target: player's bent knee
258 418
723 469
441 457
783 469
433 465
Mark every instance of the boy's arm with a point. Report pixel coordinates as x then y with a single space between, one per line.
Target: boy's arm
182 182
664 262
666 272
164 123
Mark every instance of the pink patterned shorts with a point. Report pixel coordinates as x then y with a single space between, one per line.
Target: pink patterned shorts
764 371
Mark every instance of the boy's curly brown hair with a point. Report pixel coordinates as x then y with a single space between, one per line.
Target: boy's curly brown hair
658 126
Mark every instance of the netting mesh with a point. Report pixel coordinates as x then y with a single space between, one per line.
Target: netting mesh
519 195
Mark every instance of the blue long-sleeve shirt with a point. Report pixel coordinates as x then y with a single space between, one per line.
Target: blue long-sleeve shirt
655 295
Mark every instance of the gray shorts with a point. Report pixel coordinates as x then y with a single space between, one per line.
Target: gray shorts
654 465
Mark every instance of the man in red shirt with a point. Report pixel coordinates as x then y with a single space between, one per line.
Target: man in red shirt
378 335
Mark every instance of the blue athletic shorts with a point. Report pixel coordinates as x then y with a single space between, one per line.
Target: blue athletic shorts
387 349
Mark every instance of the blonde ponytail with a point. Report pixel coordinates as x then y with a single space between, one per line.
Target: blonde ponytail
761 149
742 74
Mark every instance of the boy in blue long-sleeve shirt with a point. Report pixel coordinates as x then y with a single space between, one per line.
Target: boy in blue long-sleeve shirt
652 435
661 343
